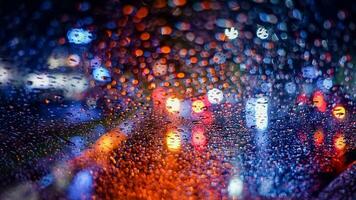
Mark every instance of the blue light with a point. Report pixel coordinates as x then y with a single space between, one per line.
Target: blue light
101 74
79 36
290 87
46 181
81 186
78 144
309 72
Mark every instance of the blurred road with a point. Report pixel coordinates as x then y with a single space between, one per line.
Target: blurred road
216 157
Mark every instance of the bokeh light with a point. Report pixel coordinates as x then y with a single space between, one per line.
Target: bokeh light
173 104
198 106
173 140
339 112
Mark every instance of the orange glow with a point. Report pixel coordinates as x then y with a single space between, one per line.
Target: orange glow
165 49
318 138
179 2
173 141
138 52
198 106
145 36
339 112
173 104
339 142
142 12
319 102
128 9
166 30
160 4
180 75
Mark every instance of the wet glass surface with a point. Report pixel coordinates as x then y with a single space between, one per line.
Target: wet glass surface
177 99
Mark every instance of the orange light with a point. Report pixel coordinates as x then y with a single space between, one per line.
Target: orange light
109 141
318 138
142 12
166 30
319 102
198 106
180 75
173 104
339 112
173 141
165 49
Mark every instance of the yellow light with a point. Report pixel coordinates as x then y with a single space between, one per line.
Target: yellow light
340 142
173 104
173 140
198 106
339 112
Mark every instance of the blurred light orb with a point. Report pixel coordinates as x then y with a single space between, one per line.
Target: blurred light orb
95 62
319 101
231 33
318 138
198 106
215 96
235 187
328 83
173 141
257 113
79 36
185 109
160 68
199 139
262 33
339 142
5 75
101 74
81 186
173 104
261 113
339 112
219 58
266 87
290 87
46 180
310 72
73 60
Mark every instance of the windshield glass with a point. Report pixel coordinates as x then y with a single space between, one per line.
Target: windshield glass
177 99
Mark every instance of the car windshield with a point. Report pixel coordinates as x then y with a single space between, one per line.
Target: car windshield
177 99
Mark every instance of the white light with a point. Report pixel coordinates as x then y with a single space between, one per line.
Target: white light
71 84
235 187
231 33
262 33
257 113
38 81
173 105
215 96
261 109
5 75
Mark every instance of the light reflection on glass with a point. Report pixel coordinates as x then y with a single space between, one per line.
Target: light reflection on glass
173 140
